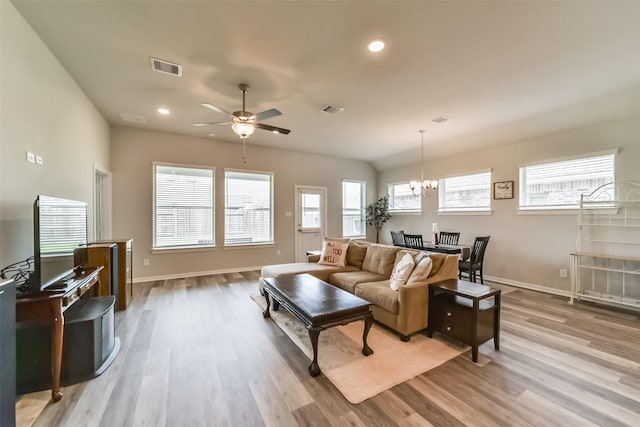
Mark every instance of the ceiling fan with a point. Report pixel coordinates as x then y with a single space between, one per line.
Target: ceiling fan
243 122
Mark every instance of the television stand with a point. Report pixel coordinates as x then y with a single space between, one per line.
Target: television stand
48 308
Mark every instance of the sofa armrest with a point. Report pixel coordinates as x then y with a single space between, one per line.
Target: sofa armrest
413 302
313 258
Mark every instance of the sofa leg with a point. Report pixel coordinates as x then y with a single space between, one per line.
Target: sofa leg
405 338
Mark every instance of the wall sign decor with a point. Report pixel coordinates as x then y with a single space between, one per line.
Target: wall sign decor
503 190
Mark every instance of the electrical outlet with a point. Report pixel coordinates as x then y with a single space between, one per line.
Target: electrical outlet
278 252
146 262
563 272
39 160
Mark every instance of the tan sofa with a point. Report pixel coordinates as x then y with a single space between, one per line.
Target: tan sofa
367 274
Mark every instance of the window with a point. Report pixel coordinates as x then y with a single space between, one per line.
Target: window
182 206
465 193
248 208
558 185
353 208
401 199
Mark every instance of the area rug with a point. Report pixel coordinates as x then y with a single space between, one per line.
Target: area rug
358 377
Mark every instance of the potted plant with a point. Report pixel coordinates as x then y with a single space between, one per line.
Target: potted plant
378 214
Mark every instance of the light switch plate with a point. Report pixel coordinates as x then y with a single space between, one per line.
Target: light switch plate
39 160
31 158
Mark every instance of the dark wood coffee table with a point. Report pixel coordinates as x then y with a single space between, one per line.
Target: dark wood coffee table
319 306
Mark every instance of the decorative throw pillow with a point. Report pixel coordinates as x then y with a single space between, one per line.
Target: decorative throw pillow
422 269
334 252
356 254
401 272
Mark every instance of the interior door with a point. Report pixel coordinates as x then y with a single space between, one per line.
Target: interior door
311 214
102 203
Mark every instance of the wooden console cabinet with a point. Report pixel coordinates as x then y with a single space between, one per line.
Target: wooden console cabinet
465 311
125 270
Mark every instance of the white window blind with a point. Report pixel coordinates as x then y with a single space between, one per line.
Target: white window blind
353 208
558 185
401 199
248 213
183 207
465 193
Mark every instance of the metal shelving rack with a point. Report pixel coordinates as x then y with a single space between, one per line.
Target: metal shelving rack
606 263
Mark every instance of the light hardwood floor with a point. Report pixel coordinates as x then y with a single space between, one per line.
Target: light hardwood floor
197 352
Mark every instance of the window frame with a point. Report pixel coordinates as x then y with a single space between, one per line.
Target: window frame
391 194
457 210
270 242
363 208
154 225
522 195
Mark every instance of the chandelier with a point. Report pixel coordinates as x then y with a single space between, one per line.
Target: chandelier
424 185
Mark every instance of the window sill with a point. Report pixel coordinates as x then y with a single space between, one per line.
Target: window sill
250 246
489 212
182 249
543 211
406 212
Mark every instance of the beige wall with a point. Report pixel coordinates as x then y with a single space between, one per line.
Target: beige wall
524 249
45 112
134 150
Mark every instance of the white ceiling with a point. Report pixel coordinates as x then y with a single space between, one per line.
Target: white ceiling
502 71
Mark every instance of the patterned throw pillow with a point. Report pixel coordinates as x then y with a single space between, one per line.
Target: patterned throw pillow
401 272
334 252
422 269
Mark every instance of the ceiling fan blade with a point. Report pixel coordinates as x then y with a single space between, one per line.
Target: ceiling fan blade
273 129
267 114
216 109
212 123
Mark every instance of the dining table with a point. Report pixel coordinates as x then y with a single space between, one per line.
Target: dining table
463 250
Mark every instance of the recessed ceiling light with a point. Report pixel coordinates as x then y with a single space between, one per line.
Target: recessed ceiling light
163 111
376 45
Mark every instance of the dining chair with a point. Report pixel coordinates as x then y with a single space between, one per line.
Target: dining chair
397 237
448 238
476 260
413 241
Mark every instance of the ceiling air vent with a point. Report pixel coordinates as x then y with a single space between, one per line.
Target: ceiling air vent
332 109
166 67
440 119
133 119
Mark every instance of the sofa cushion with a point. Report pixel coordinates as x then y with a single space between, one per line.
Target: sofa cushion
355 254
320 271
380 294
348 280
333 252
437 259
380 259
401 272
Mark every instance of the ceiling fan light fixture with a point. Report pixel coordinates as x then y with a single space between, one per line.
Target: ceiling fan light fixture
243 129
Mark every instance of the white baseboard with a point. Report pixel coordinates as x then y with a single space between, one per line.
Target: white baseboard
194 274
530 286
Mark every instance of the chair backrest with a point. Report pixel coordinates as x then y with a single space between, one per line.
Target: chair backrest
398 238
413 240
448 238
477 252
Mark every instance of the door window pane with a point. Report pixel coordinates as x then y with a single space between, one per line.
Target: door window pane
311 211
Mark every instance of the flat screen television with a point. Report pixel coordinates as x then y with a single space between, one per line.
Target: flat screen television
59 227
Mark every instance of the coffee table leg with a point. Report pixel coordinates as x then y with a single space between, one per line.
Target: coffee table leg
366 350
314 369
266 312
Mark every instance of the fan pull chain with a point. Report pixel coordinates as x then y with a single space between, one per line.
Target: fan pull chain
244 151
